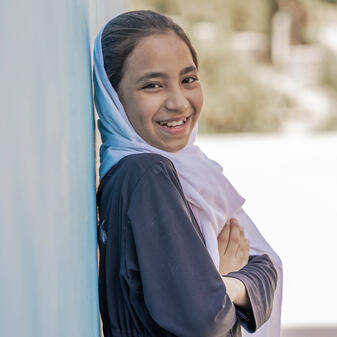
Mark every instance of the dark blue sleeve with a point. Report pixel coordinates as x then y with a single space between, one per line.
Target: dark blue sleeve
183 291
260 278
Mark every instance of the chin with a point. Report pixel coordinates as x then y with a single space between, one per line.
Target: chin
175 148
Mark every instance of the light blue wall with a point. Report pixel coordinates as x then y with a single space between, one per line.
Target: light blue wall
48 267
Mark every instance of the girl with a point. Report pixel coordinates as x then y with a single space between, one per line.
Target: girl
168 264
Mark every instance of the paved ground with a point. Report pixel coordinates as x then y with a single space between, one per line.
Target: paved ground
310 332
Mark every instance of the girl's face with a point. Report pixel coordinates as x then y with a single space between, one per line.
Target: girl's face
161 92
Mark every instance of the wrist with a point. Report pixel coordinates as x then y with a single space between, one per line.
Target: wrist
236 291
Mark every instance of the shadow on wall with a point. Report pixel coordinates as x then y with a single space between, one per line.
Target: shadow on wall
310 332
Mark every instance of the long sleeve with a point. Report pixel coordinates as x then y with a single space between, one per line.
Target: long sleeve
182 289
258 245
260 278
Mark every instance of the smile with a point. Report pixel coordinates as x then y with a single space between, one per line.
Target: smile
174 124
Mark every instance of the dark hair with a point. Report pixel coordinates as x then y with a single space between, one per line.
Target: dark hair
121 35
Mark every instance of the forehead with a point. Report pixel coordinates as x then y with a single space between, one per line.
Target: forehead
159 53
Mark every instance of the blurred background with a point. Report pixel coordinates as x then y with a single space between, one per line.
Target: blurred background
269 74
266 65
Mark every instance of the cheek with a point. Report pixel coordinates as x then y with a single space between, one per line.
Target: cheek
146 106
140 111
198 99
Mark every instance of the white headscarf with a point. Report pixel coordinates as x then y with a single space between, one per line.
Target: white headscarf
204 185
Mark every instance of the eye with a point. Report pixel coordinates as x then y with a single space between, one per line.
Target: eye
152 86
190 79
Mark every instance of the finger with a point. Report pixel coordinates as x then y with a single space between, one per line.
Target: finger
223 239
234 238
242 234
246 251
224 231
241 253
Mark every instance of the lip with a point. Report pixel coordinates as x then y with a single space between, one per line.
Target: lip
176 129
174 119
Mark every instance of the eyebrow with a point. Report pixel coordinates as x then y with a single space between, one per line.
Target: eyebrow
164 75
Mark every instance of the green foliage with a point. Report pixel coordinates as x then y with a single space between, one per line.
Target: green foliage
329 124
242 15
330 69
234 100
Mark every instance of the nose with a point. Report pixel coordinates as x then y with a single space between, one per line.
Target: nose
176 100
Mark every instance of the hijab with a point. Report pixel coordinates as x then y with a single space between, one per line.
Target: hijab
205 187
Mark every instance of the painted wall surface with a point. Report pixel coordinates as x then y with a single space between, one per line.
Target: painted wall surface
48 266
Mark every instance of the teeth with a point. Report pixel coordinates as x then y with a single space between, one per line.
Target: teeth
173 123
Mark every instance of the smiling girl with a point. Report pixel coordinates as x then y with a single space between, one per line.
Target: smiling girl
174 259
160 91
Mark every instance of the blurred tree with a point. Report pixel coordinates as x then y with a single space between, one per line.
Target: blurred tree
273 8
299 18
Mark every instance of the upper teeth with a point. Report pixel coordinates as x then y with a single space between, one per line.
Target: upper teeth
174 123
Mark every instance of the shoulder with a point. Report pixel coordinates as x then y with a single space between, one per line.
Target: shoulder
143 165
142 162
132 169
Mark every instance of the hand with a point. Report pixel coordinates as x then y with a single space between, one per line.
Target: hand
233 248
